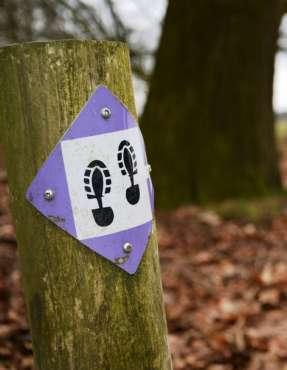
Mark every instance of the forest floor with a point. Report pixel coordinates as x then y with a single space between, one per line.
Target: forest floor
224 273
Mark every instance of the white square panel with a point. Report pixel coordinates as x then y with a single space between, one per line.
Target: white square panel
78 154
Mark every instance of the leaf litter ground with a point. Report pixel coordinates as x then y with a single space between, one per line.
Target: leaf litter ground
224 284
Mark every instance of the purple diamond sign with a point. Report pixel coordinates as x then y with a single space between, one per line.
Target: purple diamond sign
96 185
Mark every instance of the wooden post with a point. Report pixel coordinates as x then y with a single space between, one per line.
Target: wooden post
85 313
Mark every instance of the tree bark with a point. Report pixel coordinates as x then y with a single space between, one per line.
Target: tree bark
208 121
85 313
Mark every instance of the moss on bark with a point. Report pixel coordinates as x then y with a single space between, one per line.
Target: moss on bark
85 313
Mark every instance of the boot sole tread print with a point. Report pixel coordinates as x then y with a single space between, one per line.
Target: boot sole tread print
97 180
128 165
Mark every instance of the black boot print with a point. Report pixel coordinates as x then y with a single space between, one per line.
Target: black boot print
97 181
128 165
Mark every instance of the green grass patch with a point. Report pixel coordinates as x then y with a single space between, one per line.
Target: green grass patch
251 210
281 130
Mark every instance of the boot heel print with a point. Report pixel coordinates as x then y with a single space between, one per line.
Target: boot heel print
97 182
128 165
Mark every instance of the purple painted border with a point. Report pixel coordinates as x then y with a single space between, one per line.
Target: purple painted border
52 176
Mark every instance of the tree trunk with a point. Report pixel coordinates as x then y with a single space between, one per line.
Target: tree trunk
85 313
208 121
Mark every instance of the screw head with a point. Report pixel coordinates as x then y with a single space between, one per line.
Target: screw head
120 260
106 113
127 247
49 194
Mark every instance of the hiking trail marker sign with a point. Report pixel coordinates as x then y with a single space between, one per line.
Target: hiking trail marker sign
96 184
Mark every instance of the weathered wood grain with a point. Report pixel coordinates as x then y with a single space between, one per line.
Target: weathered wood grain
85 313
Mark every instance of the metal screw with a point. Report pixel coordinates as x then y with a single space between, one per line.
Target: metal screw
49 194
106 113
121 260
149 168
127 247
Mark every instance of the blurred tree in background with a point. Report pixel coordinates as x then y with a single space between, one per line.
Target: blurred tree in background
36 20
208 121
